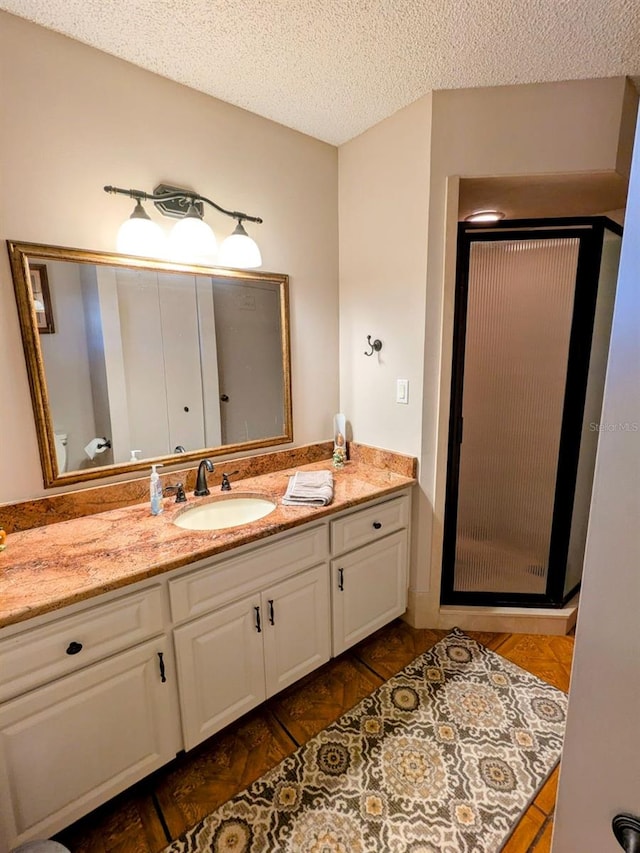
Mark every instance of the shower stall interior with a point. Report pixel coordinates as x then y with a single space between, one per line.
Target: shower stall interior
534 304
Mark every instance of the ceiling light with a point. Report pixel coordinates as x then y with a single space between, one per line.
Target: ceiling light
485 216
191 239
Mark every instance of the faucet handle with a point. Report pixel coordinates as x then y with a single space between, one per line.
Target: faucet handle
178 490
226 485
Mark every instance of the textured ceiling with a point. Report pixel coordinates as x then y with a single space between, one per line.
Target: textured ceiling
333 68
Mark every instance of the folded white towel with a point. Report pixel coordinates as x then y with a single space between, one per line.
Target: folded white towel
313 479
309 488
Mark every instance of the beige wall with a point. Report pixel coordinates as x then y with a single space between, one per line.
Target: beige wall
383 208
75 119
384 196
390 268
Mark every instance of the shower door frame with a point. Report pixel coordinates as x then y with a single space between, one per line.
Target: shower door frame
589 230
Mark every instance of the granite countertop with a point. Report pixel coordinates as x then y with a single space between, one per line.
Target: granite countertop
49 567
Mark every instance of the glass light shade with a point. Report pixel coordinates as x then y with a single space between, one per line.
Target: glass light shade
192 240
240 251
139 235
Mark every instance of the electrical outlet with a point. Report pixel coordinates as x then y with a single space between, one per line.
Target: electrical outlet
402 391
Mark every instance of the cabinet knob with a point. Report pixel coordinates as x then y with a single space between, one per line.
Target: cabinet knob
73 648
377 525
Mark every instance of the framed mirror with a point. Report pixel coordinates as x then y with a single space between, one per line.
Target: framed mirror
148 361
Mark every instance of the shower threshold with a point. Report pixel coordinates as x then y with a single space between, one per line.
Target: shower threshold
516 620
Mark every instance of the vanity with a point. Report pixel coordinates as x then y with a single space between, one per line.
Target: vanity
125 639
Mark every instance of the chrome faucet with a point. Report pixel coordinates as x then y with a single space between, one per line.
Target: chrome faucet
201 480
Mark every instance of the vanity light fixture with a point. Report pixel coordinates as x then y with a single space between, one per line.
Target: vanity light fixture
485 216
191 239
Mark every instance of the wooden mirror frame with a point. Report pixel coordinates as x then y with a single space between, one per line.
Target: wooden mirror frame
19 255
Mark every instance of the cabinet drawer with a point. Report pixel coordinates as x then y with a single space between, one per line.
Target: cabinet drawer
368 525
213 586
43 654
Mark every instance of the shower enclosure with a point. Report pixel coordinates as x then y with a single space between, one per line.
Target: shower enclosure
534 303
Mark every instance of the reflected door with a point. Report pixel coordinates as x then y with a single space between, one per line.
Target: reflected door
249 345
162 365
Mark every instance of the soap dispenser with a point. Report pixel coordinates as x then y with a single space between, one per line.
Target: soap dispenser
339 441
155 490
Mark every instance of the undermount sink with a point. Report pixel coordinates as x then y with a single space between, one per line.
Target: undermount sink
223 512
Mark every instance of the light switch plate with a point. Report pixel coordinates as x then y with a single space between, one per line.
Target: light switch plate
402 391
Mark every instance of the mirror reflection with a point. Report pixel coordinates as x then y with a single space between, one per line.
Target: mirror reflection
150 361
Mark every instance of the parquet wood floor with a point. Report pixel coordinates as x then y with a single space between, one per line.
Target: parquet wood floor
148 816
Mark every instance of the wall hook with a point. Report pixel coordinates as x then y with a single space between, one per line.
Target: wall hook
376 345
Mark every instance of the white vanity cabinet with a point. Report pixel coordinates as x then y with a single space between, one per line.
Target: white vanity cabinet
69 743
235 656
369 571
97 695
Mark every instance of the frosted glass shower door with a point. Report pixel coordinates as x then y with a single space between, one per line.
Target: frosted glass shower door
518 327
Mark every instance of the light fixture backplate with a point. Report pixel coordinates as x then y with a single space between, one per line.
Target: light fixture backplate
177 207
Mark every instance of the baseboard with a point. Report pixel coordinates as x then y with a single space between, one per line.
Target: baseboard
420 610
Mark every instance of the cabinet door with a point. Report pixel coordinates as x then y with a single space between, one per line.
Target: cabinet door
71 745
369 589
296 632
220 668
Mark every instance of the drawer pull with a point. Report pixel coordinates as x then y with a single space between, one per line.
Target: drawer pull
377 525
272 618
258 626
74 648
163 677
341 580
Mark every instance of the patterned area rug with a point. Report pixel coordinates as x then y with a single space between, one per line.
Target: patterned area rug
445 757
